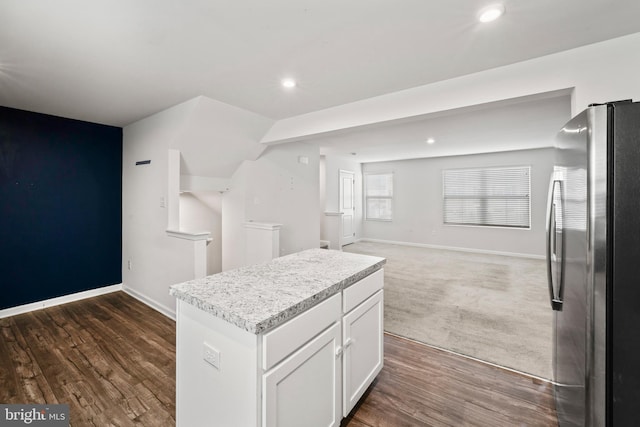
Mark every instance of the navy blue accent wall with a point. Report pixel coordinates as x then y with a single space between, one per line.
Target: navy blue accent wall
61 206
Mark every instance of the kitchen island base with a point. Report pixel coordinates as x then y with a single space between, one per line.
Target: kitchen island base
309 370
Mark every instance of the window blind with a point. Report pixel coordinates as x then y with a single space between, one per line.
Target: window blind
378 196
498 197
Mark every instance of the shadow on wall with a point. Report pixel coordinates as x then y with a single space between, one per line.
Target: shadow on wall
202 211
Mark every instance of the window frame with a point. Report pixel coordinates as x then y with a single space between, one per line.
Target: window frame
367 197
492 168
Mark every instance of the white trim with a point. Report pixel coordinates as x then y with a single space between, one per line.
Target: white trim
26 308
262 225
453 248
161 308
189 235
501 227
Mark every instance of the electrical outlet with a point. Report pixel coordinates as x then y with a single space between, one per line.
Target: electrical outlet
211 355
129 264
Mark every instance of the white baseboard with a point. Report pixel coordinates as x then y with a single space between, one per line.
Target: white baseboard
452 248
12 311
150 302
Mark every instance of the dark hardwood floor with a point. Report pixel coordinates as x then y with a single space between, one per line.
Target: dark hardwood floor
423 386
112 359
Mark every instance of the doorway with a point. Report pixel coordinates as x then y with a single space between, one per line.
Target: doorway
347 206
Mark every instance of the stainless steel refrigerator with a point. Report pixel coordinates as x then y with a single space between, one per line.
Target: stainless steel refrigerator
593 261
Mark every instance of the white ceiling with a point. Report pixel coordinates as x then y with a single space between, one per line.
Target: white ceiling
117 61
526 123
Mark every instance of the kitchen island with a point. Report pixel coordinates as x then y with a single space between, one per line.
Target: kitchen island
295 341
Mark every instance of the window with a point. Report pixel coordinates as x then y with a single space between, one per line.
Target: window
378 195
497 197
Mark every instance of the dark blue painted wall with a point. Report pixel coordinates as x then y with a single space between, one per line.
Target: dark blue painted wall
61 208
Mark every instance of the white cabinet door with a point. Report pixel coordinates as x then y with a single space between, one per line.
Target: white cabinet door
363 348
305 389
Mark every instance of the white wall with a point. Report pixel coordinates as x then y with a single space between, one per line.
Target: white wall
202 211
157 261
600 72
417 204
275 188
213 138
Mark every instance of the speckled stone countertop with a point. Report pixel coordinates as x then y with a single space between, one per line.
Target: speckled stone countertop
260 297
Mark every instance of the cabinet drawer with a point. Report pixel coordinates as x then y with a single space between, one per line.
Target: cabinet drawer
361 290
290 336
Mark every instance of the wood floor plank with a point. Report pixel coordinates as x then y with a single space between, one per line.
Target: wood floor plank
423 386
28 377
10 355
112 359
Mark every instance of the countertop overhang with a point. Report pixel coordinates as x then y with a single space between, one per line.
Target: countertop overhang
260 297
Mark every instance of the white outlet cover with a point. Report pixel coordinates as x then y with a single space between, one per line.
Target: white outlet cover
211 355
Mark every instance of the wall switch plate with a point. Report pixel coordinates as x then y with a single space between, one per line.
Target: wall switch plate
163 203
211 355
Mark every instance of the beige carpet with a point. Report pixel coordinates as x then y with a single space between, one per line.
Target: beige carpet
494 308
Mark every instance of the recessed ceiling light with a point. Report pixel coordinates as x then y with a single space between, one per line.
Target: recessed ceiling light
431 141
491 13
288 83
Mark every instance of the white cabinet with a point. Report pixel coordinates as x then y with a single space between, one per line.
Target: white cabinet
305 389
309 371
363 349
322 382
302 383
362 337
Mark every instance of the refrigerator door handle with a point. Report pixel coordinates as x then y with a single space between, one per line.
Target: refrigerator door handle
556 302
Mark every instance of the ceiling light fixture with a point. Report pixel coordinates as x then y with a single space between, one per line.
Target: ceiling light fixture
288 83
431 141
491 13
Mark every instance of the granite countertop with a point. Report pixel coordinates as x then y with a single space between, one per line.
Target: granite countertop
260 297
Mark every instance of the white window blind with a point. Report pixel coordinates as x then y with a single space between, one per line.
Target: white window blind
378 196
498 197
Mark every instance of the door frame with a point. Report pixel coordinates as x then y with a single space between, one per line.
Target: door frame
345 240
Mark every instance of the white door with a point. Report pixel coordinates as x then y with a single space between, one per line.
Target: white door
347 207
363 349
305 389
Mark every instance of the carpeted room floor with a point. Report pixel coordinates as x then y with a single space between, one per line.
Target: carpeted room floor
491 307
